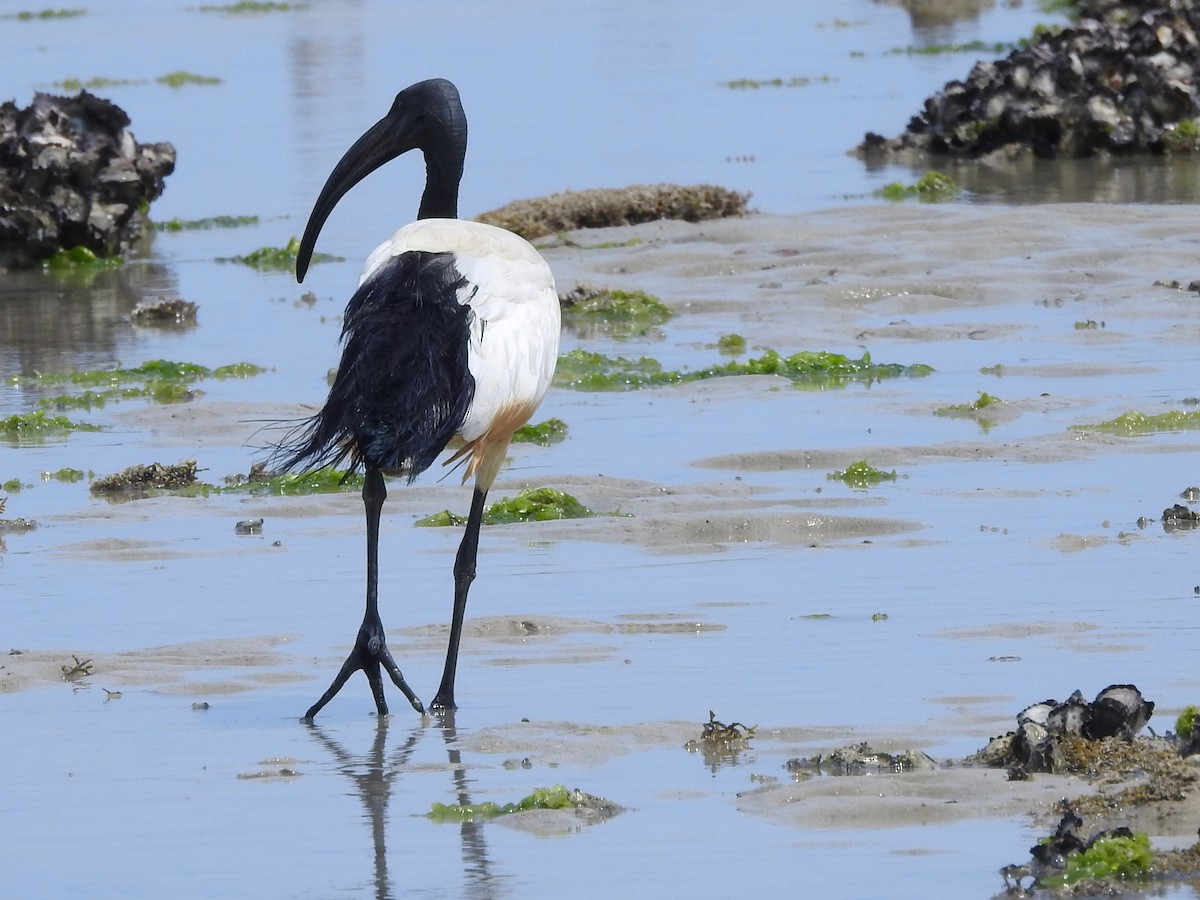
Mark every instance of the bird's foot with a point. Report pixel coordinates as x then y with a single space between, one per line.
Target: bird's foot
370 653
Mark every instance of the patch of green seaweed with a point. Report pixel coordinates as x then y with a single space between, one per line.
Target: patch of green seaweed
1117 856
51 13
551 431
982 402
277 259
861 475
36 425
74 258
532 505
623 313
253 6
157 380
1137 423
173 225
65 475
731 345
325 480
179 79
999 48
1186 722
95 83
556 797
932 187
584 370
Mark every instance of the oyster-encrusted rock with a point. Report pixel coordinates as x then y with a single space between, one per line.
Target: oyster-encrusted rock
72 175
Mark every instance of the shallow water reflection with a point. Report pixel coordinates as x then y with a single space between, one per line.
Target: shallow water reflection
52 322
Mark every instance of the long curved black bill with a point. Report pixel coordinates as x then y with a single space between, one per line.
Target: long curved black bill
382 142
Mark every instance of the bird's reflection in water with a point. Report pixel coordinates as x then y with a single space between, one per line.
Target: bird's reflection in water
373 774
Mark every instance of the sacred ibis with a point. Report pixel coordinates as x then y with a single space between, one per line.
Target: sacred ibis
451 336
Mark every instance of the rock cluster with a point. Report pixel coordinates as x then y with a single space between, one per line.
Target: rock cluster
1036 746
1125 79
72 175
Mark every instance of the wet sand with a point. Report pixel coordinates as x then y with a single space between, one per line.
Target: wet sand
723 547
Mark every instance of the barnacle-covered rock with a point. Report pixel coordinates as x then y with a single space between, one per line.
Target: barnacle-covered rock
72 175
1125 79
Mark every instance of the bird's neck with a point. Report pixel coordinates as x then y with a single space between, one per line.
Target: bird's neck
440 200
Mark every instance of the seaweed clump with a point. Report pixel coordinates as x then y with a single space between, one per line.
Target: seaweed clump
531 505
608 207
586 806
861 475
621 313
1103 863
584 370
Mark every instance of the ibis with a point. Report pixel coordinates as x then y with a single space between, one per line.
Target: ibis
450 340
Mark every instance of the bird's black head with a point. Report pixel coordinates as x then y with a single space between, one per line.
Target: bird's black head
427 116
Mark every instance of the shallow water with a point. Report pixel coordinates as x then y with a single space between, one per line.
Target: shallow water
735 577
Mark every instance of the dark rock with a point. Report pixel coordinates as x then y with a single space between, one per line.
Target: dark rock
1037 745
72 175
1071 718
1119 709
1120 82
1179 514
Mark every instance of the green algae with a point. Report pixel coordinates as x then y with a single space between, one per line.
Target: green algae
278 259
95 83
551 431
253 6
535 505
932 187
982 47
80 258
731 344
616 311
179 79
174 225
982 402
325 480
532 505
1136 423
157 380
36 424
1112 856
556 797
65 475
51 13
861 475
588 371
1186 722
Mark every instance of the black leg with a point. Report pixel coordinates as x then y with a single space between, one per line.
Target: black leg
464 574
370 647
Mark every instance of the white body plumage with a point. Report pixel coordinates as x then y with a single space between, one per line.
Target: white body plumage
514 328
